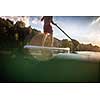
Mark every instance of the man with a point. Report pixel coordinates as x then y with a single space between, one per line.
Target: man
47 29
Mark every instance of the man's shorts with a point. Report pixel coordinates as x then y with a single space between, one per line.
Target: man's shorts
48 29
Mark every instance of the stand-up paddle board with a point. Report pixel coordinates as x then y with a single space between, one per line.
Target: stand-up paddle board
45 53
42 47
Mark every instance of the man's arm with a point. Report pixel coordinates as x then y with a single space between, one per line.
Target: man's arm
53 22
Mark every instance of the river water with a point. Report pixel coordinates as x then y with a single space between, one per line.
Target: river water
63 67
90 54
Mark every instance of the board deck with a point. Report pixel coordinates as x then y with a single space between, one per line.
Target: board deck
45 53
41 47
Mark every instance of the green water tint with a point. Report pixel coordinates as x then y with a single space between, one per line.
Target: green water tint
18 67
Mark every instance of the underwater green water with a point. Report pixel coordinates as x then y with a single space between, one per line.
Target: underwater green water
18 67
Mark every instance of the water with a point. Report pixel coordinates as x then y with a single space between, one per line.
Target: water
97 54
19 67
90 54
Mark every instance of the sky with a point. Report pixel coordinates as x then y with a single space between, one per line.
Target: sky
85 29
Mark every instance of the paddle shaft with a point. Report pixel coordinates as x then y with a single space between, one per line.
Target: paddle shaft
64 32
67 36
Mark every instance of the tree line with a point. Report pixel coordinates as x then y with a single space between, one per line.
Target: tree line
80 46
15 34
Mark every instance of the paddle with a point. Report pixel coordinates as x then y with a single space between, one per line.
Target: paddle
75 43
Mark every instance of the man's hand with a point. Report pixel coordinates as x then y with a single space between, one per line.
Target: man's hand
54 23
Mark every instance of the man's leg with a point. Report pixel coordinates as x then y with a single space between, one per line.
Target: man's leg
52 40
44 39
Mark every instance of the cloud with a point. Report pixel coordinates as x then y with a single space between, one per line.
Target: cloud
95 25
96 21
94 31
36 20
25 19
